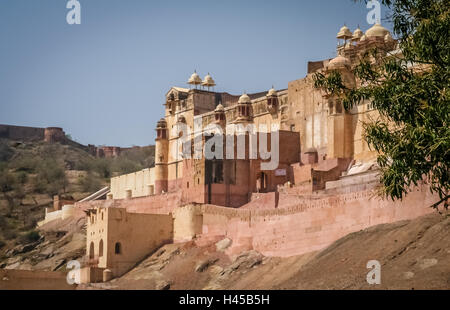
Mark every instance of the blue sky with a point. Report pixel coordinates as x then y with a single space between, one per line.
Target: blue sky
104 81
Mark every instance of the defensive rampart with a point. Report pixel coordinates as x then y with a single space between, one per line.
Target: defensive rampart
310 225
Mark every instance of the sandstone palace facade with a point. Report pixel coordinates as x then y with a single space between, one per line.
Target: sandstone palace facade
314 131
322 189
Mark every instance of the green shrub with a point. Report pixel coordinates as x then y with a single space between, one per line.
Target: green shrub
89 182
22 177
83 165
29 224
51 178
39 186
31 236
5 151
144 156
124 166
103 167
7 182
3 166
3 223
26 163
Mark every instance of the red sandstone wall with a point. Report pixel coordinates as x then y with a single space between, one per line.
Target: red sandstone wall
299 224
312 225
262 201
155 204
313 177
158 204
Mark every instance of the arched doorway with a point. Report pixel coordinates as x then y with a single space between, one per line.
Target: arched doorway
261 182
91 250
118 248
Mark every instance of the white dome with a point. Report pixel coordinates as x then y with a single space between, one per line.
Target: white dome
344 33
339 62
376 31
272 92
219 108
244 99
194 79
208 81
357 34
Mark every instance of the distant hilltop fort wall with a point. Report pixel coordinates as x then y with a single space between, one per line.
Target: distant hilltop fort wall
108 151
55 135
24 133
21 133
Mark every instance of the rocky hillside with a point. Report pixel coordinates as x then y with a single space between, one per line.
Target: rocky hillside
31 173
413 255
58 243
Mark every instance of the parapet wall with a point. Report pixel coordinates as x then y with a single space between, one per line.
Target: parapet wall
299 224
137 184
293 226
311 225
66 212
157 204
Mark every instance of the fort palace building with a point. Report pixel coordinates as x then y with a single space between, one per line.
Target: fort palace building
322 189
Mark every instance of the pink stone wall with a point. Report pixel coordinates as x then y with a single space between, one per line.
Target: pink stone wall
302 173
262 201
312 177
311 225
299 224
157 204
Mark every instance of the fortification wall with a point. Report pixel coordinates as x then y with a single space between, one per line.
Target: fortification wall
66 212
54 134
22 133
325 221
298 225
312 224
188 223
140 183
157 204
259 201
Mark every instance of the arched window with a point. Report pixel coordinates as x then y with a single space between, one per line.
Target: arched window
91 250
118 248
100 248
